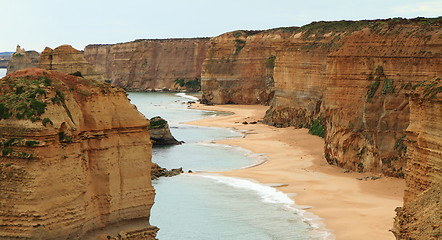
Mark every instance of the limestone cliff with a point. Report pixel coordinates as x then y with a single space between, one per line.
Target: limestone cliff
366 109
420 217
149 64
239 67
347 77
75 160
22 59
68 60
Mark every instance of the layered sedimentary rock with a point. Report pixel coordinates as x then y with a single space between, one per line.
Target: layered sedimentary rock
420 217
75 160
353 81
68 60
239 67
22 59
149 64
366 109
349 77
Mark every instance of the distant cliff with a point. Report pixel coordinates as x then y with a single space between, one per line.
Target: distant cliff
5 57
239 67
149 64
22 59
68 60
75 160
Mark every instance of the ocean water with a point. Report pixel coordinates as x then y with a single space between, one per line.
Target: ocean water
205 205
2 72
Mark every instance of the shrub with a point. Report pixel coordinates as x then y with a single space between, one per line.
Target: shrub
31 143
77 74
64 138
372 89
38 107
46 121
318 127
4 112
239 45
270 63
157 122
193 85
6 151
388 86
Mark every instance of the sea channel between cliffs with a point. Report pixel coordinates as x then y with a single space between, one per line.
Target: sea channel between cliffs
205 204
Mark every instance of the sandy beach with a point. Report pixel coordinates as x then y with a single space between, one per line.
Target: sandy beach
350 208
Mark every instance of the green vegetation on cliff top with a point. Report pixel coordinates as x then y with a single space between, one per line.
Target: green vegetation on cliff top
323 27
23 98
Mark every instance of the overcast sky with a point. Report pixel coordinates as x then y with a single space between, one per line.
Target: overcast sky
35 24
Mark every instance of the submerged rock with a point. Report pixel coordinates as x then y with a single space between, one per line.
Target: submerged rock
160 132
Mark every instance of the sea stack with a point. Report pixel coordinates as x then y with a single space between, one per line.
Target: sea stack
160 132
75 162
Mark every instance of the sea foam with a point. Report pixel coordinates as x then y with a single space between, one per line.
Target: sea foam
184 95
268 194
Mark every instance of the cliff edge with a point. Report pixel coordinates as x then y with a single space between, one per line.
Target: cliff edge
75 161
420 217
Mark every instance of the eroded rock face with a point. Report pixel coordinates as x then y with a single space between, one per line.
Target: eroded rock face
350 76
22 59
366 108
160 132
149 64
68 60
420 216
239 68
75 162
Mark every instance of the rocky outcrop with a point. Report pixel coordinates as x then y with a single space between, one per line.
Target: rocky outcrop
160 132
149 64
157 172
68 60
75 160
420 216
22 59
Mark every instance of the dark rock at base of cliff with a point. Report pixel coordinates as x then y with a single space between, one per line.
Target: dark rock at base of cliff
160 132
158 171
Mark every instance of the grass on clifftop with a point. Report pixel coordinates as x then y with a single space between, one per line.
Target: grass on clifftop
157 123
23 98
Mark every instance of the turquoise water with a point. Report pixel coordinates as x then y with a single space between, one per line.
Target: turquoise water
206 206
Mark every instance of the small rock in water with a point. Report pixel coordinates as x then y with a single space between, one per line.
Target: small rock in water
254 122
245 122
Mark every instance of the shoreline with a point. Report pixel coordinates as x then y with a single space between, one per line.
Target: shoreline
349 208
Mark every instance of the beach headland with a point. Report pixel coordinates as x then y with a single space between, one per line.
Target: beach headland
352 205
